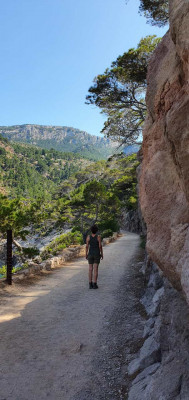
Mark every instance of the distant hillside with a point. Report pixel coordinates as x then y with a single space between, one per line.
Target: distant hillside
61 138
26 170
131 149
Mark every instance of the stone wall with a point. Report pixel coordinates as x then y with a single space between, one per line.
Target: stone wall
66 255
164 180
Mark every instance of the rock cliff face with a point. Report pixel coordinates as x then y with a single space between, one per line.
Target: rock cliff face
164 181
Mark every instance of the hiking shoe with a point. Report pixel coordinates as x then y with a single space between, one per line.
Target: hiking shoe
90 285
95 286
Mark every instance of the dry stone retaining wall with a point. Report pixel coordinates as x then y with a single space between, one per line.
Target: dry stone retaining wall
66 255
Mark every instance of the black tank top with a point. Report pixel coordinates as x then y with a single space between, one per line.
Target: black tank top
94 246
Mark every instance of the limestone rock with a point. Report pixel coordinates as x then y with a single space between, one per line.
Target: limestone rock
149 328
164 177
149 354
134 367
146 372
146 300
131 222
37 259
155 281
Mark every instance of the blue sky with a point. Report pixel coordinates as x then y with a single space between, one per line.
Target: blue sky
51 50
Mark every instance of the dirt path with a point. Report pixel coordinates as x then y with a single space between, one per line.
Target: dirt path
60 340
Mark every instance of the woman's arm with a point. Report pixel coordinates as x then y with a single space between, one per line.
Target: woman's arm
87 245
100 247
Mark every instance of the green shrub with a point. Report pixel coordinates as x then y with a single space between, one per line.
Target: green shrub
2 151
61 243
132 203
76 229
23 266
143 241
3 271
107 233
109 224
30 251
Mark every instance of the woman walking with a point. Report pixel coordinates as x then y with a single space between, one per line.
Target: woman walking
94 253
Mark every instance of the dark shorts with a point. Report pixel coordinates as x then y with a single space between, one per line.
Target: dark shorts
93 259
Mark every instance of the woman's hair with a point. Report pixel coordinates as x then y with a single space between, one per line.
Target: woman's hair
94 229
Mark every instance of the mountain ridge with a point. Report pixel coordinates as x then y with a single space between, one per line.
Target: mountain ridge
61 138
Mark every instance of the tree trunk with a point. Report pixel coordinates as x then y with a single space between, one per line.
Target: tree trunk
9 257
19 247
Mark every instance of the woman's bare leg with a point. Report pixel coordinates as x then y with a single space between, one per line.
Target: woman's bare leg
95 273
90 272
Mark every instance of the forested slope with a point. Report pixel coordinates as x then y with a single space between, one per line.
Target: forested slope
29 171
54 195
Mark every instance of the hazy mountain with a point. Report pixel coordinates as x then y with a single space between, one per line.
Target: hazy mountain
131 149
61 138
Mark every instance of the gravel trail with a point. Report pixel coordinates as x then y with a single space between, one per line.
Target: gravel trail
60 340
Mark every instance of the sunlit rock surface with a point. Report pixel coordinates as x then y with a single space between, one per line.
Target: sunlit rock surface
164 181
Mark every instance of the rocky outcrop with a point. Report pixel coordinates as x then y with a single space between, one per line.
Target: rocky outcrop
164 180
130 221
160 370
